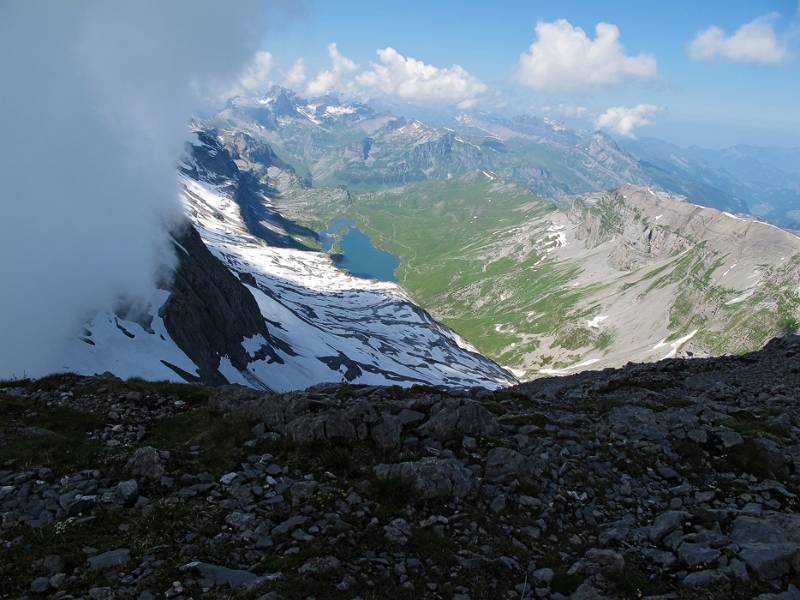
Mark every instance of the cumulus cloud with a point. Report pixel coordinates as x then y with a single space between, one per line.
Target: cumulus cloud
624 119
411 79
297 73
93 114
754 42
255 77
563 58
333 78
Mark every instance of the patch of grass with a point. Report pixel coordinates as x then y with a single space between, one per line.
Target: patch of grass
21 382
751 457
574 338
392 493
65 539
56 381
191 393
633 582
220 438
434 547
604 340
748 425
32 434
563 582
788 325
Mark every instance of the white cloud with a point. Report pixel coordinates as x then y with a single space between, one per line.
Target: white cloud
68 248
753 42
564 59
255 77
411 79
333 78
297 74
624 119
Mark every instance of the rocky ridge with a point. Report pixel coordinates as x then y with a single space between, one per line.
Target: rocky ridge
677 479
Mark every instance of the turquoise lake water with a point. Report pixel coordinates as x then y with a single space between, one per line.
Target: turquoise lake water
358 255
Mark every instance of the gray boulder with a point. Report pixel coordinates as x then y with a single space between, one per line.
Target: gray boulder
665 523
215 575
320 564
769 561
504 464
146 463
431 477
110 559
453 419
386 432
127 492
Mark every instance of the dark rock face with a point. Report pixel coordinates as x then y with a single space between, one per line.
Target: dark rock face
445 153
210 161
210 311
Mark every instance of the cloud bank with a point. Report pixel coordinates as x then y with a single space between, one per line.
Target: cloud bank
564 59
625 119
255 77
96 97
297 73
334 78
411 79
394 76
755 42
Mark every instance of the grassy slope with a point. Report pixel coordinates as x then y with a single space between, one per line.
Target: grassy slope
471 252
466 257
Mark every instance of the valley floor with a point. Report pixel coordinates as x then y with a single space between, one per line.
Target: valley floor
677 479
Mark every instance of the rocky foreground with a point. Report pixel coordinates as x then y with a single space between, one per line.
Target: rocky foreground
670 480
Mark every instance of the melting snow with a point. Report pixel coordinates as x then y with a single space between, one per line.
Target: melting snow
126 348
676 344
323 310
729 269
253 344
741 297
337 111
569 369
595 321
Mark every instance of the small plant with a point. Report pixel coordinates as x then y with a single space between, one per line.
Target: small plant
60 527
788 325
392 492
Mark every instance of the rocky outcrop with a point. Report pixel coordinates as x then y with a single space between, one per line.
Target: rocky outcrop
210 312
636 240
677 479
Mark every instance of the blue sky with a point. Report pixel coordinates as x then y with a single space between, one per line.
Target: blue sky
741 90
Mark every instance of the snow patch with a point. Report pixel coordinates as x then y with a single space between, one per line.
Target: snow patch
338 111
569 369
675 345
253 344
231 373
729 269
740 297
595 321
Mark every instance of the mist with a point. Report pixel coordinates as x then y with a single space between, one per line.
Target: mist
95 101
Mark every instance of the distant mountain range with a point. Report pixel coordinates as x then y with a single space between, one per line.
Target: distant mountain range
546 249
336 143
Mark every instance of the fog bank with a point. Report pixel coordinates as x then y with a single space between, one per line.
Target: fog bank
93 111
